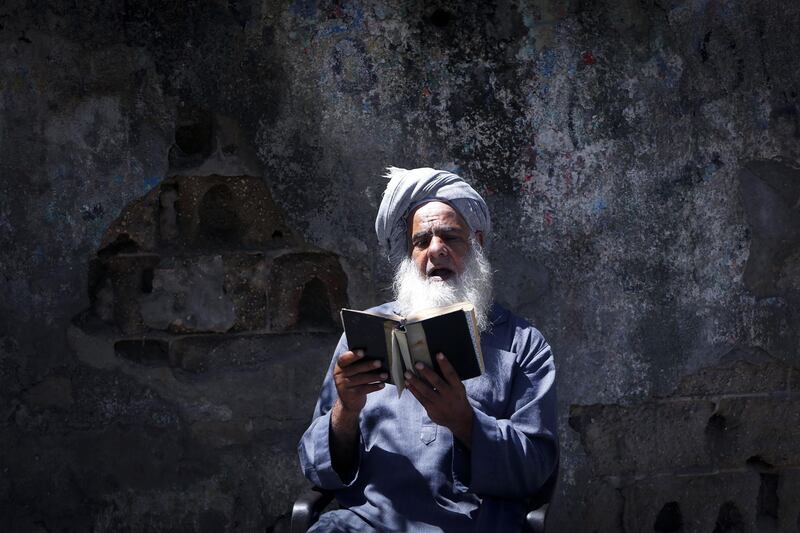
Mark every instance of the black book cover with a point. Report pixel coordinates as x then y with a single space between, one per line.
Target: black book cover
450 335
366 332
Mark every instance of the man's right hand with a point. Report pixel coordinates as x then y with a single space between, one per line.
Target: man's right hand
355 378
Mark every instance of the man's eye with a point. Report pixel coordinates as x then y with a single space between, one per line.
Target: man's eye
453 239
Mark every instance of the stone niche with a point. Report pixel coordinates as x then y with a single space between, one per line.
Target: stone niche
202 294
207 255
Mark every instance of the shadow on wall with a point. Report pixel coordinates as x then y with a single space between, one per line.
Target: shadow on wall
771 196
201 293
720 453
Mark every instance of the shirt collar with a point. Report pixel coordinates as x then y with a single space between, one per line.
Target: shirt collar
497 314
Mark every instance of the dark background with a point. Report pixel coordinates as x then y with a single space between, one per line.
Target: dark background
641 162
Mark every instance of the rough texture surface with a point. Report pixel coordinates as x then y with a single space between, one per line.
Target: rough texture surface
641 161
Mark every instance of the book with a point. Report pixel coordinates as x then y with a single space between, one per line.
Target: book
400 342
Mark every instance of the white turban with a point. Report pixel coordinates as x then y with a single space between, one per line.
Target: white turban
408 189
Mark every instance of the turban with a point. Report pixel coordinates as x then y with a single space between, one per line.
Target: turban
408 189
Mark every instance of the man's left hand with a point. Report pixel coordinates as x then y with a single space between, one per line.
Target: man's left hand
445 400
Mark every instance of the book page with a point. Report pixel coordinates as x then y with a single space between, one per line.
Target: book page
402 342
418 346
476 337
392 356
419 316
399 355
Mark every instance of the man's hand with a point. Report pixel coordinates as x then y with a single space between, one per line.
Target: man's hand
445 400
355 379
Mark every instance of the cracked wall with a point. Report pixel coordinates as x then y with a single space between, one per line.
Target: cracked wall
640 160
718 453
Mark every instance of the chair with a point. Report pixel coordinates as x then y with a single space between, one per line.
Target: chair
312 502
539 504
308 507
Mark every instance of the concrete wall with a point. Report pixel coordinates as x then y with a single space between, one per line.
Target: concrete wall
642 163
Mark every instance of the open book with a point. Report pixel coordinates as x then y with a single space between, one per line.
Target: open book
400 342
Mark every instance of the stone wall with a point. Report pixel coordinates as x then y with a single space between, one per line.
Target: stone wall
159 349
718 454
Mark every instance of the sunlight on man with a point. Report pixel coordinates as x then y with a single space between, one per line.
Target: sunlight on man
449 455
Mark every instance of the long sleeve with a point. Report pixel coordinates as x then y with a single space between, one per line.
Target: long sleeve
314 446
514 452
413 475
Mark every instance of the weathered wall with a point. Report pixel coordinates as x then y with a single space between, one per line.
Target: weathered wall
642 163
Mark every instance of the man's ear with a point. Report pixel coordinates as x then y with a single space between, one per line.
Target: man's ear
479 237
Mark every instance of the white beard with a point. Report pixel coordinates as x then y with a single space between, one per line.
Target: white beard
414 291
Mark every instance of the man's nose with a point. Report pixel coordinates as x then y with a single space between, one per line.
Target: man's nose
437 247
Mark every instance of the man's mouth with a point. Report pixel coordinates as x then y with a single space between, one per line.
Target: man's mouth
440 274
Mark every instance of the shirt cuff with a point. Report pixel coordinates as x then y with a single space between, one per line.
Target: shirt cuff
482 425
484 436
328 477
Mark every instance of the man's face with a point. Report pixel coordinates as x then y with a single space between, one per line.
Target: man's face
440 241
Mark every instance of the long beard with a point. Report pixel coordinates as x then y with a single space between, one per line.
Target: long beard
414 292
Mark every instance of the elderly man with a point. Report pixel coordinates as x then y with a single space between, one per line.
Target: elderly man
445 455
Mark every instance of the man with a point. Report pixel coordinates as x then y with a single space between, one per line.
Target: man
446 455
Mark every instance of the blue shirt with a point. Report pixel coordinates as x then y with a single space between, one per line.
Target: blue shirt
413 475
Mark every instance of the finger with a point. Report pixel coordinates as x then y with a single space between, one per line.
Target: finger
421 390
363 379
414 392
360 368
449 373
349 357
430 376
417 394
